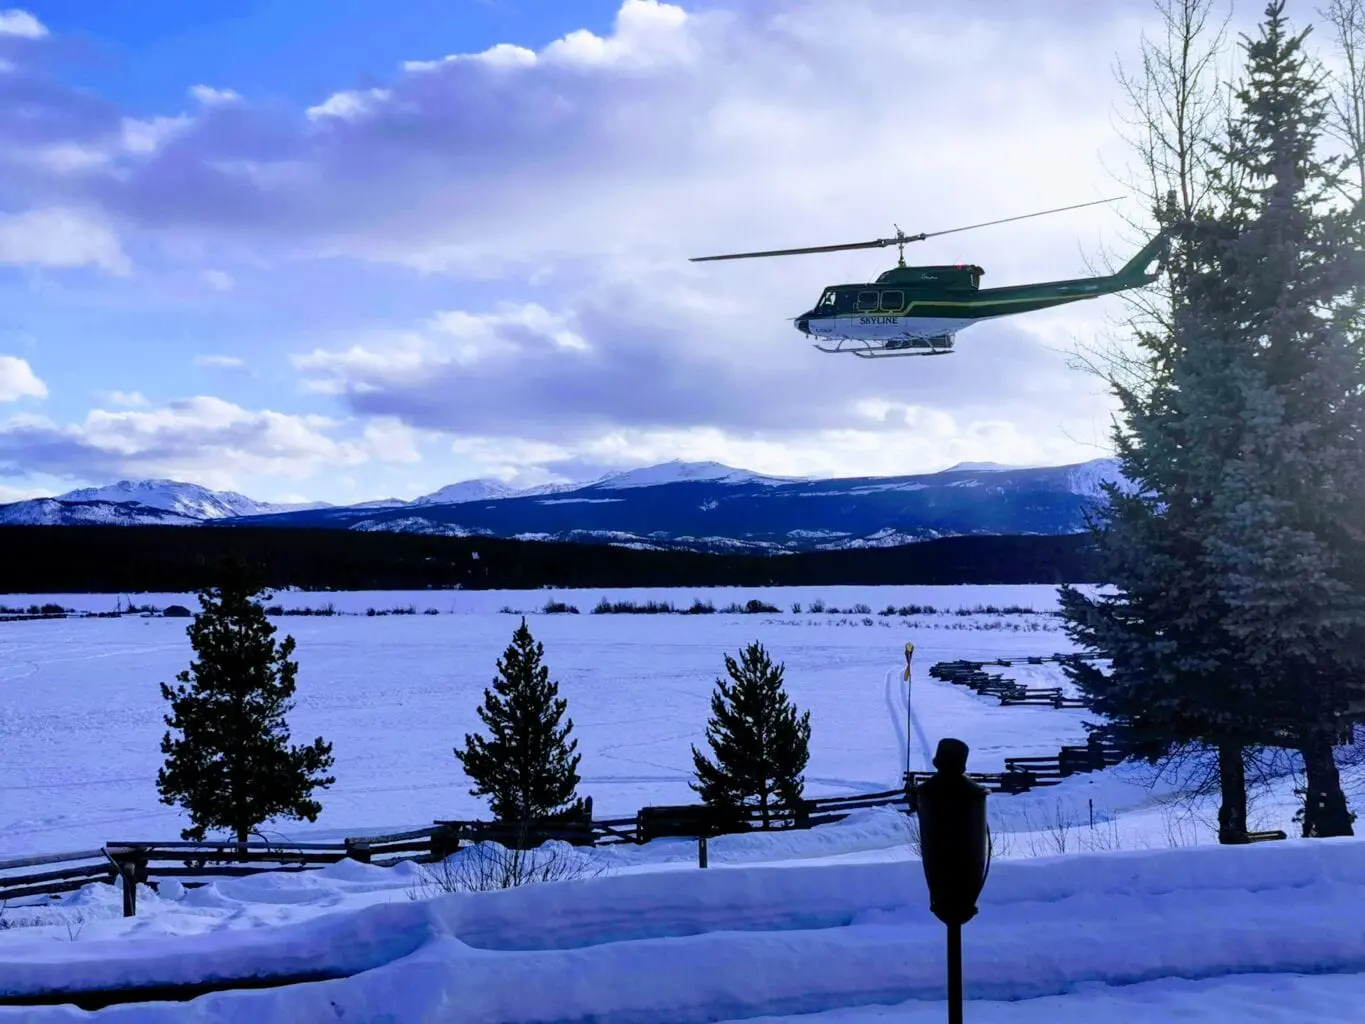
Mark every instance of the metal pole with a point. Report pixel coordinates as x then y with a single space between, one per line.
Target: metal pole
909 652
908 728
955 974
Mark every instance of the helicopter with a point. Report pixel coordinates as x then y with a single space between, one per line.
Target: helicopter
918 311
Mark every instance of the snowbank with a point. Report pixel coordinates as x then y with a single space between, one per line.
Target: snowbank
707 945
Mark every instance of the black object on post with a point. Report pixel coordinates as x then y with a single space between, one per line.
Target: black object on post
955 849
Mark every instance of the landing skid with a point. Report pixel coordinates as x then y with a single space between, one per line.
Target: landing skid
941 346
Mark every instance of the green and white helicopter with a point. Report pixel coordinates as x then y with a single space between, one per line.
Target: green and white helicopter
919 311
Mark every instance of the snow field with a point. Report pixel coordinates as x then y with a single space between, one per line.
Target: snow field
81 712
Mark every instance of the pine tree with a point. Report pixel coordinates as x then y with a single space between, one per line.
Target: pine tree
1287 549
232 766
527 766
759 741
1236 619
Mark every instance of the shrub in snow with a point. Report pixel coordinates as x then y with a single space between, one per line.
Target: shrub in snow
487 867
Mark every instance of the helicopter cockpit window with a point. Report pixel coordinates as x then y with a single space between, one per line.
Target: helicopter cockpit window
892 301
867 301
828 299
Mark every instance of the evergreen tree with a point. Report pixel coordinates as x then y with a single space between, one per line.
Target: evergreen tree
759 741
1236 619
232 766
1287 549
527 766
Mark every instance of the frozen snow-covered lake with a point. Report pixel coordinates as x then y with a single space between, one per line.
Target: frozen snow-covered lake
81 711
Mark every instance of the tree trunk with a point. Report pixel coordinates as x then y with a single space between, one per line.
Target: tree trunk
1324 804
1232 783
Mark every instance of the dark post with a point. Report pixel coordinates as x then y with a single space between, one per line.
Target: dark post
127 869
955 850
701 850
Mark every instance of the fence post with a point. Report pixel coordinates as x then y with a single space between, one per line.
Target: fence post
358 850
701 851
445 840
128 872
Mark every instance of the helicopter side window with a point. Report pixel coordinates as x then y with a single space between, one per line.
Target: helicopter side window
892 302
867 301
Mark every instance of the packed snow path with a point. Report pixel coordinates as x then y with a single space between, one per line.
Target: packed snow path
848 940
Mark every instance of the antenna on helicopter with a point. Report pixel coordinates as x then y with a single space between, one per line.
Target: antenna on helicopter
899 239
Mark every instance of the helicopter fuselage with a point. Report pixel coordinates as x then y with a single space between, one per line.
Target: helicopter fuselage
920 310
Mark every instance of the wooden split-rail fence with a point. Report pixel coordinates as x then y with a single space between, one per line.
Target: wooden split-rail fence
129 864
1009 692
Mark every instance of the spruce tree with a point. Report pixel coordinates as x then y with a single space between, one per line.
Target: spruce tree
1237 620
528 766
232 766
1287 549
759 741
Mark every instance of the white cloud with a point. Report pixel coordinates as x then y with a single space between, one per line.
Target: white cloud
147 136
60 238
645 34
348 105
220 362
17 380
219 280
392 440
211 97
681 133
20 23
67 157
128 399
202 439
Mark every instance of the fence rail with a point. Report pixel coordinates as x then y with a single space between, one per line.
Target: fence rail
972 674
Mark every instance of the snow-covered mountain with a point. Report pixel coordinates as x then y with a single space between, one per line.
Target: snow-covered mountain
466 490
679 471
711 507
52 512
698 506
978 467
189 500
1086 478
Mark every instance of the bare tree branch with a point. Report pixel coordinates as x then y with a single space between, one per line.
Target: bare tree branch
1346 121
1177 112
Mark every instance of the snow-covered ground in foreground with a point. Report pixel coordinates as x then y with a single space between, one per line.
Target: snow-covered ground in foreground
825 926
1268 933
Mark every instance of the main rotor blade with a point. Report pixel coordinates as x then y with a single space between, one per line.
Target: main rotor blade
900 239
878 243
1006 220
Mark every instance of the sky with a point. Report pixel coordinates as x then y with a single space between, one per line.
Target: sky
341 250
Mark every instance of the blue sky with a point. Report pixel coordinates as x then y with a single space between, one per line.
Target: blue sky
348 250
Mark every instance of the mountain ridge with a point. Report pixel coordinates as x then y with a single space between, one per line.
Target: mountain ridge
676 505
